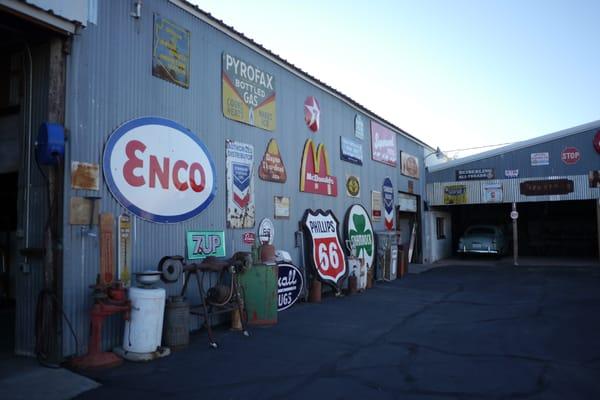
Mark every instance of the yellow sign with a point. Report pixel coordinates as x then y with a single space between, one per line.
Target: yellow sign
455 194
248 93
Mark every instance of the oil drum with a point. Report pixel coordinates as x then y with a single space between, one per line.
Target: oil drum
177 323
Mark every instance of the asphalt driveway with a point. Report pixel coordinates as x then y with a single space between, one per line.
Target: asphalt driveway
464 332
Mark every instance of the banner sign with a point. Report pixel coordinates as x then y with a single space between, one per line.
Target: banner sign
159 170
538 159
409 165
240 184
324 246
492 193
290 285
375 205
201 244
546 187
312 113
359 127
475 174
315 176
511 173
352 186
388 203
248 93
272 167
383 144
359 234
351 150
171 52
455 194
570 155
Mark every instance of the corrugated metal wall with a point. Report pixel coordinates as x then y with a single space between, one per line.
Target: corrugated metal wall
511 190
28 285
110 82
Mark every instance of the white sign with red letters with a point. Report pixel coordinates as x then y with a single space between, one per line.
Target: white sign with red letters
159 170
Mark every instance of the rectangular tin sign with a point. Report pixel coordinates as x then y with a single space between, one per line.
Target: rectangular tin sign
383 145
351 150
475 174
240 185
538 159
171 52
201 244
248 93
492 192
409 165
547 187
455 194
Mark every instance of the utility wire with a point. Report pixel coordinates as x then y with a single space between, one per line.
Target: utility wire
478 147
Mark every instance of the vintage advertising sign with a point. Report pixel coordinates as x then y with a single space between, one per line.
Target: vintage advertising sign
325 252
249 238
85 176
596 142
282 207
407 202
124 249
388 203
375 205
359 234
171 52
383 144
351 150
491 193
248 93
315 175
266 231
475 174
546 187
290 285
594 179
409 165
159 170
511 173
312 113
359 127
352 186
201 244
271 167
240 184
455 194
539 159
570 155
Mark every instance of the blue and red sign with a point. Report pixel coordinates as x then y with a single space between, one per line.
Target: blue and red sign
241 184
388 204
159 170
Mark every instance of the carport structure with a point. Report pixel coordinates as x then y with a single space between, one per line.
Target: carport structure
551 181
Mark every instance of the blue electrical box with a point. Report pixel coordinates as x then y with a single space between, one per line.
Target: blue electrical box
50 145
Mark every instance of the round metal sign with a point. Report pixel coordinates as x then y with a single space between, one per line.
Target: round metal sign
596 142
266 231
159 170
290 284
514 214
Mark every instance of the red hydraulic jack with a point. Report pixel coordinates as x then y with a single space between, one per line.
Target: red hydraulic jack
104 306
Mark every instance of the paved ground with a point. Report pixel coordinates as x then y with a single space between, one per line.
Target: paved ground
471 332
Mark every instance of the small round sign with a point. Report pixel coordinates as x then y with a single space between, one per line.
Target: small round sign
596 142
514 214
266 231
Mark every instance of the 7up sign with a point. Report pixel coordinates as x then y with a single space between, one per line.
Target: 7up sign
324 246
358 231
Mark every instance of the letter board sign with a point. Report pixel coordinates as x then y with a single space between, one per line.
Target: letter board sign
324 246
159 170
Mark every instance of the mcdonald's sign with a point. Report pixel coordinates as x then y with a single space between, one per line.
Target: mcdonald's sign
315 175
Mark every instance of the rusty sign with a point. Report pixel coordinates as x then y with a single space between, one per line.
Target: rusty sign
171 52
240 185
85 176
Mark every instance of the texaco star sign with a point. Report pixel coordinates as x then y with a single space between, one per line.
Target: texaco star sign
312 112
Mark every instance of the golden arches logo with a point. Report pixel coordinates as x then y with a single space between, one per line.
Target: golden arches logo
315 173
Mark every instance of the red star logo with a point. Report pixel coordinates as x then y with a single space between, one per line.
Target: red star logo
312 112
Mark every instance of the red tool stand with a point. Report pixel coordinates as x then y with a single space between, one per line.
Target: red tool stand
104 306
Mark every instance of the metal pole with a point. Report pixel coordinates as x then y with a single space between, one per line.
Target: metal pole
515 237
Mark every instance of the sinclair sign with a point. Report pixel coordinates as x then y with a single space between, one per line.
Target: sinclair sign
159 170
325 251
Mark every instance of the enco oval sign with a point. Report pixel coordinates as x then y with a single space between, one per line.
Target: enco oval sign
159 170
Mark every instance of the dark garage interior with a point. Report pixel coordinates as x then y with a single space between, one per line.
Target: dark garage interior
559 229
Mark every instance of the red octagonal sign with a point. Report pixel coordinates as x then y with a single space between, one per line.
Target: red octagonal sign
570 155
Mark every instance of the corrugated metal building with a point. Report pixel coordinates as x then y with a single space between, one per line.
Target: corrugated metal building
90 69
552 179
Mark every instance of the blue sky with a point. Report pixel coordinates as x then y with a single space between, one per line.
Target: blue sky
455 74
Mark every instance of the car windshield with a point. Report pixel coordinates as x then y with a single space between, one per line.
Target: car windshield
480 230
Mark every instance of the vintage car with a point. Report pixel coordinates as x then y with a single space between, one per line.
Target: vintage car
485 239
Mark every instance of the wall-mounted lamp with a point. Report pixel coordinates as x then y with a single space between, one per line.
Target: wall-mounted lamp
138 9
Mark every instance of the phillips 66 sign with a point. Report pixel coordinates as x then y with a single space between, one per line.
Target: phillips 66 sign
324 245
159 170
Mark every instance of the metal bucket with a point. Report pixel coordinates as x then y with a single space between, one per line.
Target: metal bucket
177 323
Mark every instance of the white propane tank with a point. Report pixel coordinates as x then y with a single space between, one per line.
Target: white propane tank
143 332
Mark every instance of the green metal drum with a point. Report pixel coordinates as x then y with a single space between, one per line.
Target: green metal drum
259 284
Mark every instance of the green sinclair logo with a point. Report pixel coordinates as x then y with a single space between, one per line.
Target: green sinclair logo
359 233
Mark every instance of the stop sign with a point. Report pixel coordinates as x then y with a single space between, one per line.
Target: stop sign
570 155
